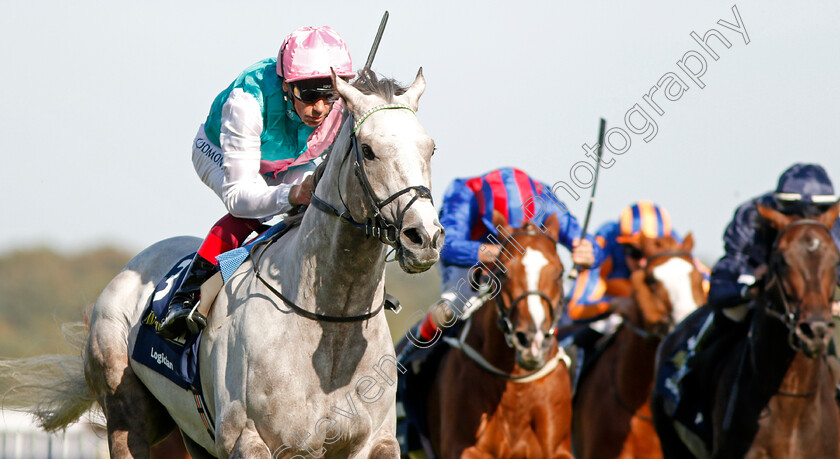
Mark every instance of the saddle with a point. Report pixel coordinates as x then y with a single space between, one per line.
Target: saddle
177 359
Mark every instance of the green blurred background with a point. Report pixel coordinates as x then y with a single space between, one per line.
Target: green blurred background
41 288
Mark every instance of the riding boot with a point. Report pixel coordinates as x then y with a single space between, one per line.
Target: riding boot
178 318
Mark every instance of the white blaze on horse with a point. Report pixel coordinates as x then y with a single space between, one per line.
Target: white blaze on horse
281 379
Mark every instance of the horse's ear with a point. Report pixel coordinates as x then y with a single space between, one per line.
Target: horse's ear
830 216
776 218
688 243
416 89
499 219
352 96
552 227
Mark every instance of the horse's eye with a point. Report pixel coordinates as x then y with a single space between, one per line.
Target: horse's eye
368 152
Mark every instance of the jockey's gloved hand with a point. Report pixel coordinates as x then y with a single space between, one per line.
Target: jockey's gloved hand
582 252
300 195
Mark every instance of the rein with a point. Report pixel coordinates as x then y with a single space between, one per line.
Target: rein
788 316
387 299
660 330
377 226
504 311
475 356
506 327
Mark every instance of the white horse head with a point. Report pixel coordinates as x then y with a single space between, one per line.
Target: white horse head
393 159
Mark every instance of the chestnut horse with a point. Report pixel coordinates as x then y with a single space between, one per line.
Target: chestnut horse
505 392
611 408
773 394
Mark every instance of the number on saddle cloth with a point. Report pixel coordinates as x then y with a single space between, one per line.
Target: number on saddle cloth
177 360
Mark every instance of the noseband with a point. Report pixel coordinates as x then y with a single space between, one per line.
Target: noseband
504 311
789 315
377 226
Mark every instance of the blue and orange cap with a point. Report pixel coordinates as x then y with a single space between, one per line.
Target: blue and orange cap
643 217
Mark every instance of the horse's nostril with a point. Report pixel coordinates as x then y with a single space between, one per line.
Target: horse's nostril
805 330
414 236
436 241
522 338
815 330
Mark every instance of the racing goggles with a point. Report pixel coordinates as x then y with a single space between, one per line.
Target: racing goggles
310 91
805 206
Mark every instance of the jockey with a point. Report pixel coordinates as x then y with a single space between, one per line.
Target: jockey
804 190
599 292
258 146
467 216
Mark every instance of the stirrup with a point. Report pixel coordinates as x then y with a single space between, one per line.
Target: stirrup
195 320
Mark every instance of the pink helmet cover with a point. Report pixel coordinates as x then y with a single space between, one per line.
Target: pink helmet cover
309 52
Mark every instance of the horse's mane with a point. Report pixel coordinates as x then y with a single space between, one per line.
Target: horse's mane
368 83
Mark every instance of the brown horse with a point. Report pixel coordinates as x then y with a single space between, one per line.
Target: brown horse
611 408
773 394
506 392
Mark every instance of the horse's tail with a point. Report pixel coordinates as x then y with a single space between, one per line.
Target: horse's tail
50 387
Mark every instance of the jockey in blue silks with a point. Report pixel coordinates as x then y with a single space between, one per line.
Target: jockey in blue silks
804 190
597 292
467 216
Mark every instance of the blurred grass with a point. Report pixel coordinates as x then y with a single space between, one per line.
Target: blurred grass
41 288
416 292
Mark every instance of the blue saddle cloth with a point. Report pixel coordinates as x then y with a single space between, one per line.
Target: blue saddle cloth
176 360
682 404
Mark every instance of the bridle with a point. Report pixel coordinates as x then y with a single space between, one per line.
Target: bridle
789 315
377 226
506 327
504 311
660 329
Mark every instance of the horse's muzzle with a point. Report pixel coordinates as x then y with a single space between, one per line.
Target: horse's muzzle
420 242
814 336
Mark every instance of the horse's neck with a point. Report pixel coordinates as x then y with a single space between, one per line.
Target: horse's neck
771 355
332 263
635 361
486 337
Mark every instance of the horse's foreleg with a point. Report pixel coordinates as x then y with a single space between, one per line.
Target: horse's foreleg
386 448
250 445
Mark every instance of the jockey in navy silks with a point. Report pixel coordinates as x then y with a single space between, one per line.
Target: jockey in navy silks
472 239
804 190
258 147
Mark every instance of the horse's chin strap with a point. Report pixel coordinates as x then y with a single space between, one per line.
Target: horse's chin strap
475 356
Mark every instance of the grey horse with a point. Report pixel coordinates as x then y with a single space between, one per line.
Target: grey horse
280 379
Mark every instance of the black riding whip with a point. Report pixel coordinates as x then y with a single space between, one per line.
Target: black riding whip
573 274
376 40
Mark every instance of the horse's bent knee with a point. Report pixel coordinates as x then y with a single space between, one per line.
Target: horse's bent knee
250 445
386 449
